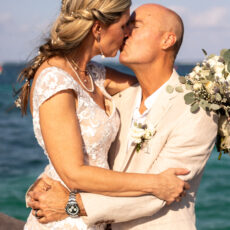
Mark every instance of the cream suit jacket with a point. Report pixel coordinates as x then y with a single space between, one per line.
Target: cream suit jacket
182 140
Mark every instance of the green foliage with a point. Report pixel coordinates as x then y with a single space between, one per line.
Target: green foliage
226 56
228 67
205 52
204 104
222 52
188 86
182 80
218 97
169 89
179 89
189 98
195 107
214 107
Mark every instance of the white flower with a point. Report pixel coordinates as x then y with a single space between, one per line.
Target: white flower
137 133
141 133
197 69
220 77
205 73
219 67
192 75
149 133
197 86
213 61
210 87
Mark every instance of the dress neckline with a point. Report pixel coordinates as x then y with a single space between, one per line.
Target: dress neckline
103 91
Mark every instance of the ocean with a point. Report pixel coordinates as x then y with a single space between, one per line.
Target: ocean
22 160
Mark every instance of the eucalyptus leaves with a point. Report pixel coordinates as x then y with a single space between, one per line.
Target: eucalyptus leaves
209 86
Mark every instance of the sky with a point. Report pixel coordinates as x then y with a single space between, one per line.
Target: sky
24 23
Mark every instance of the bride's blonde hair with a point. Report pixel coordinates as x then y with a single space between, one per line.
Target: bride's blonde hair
70 28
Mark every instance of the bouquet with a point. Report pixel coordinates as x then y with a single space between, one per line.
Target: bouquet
209 86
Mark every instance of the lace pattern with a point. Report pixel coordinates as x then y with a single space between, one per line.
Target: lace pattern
98 130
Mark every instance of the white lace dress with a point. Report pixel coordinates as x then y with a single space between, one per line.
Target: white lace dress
98 130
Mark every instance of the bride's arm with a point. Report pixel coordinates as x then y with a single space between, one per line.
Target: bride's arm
63 141
116 81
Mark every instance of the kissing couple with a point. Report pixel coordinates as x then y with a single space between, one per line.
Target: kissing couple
122 155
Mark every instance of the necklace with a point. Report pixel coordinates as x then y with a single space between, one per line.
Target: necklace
78 77
78 68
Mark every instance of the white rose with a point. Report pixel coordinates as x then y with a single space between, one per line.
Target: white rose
205 73
213 61
193 76
149 133
197 69
197 86
220 77
210 87
136 134
219 67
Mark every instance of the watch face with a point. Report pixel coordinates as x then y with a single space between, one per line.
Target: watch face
72 209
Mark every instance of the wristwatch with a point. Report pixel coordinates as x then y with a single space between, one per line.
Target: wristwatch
72 208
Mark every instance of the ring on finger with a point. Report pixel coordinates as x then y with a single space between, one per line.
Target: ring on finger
36 213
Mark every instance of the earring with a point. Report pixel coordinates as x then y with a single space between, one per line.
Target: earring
101 51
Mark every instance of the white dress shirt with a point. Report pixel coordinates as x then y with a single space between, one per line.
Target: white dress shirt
149 101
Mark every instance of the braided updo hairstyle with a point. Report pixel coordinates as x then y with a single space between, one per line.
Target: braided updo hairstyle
70 28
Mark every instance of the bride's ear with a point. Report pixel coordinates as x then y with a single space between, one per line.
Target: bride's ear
169 40
96 29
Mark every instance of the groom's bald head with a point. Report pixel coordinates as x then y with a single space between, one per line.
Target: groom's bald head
168 21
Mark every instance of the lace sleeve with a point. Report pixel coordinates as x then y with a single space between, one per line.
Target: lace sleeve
98 72
51 81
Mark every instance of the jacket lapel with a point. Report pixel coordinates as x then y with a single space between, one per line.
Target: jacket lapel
126 104
156 114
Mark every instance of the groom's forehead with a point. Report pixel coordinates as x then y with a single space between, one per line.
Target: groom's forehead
136 18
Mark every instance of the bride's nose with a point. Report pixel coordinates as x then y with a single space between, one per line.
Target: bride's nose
127 31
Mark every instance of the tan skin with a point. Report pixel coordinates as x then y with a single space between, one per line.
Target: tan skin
62 106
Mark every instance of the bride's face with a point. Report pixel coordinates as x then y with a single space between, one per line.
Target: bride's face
112 37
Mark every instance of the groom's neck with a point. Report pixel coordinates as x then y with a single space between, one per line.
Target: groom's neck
152 77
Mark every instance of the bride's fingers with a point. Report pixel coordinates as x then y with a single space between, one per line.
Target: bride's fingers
35 195
34 205
37 213
43 220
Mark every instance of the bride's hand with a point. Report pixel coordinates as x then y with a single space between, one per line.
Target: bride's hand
169 187
49 206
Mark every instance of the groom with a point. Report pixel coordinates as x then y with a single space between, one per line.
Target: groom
182 139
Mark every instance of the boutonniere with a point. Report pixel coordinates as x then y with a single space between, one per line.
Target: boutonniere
141 133
209 89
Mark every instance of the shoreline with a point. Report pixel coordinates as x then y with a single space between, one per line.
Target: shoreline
8 222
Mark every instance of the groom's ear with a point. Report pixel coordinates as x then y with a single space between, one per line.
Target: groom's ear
169 39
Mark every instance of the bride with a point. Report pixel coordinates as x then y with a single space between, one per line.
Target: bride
74 117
